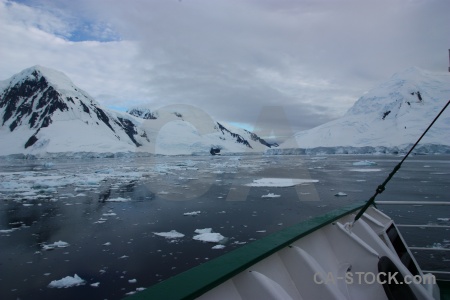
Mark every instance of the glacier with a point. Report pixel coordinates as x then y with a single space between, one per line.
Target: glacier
386 120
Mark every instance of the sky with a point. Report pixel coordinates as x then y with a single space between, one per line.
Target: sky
259 64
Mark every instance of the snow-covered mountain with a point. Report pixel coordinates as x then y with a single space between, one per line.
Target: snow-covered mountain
43 112
389 118
142 113
181 129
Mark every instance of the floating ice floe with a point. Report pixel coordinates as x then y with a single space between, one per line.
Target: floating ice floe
96 284
218 247
206 235
365 170
27 194
173 234
66 282
59 244
100 221
318 157
132 281
8 230
211 237
270 195
105 171
14 186
118 199
279 182
340 194
365 163
110 214
239 243
436 246
48 165
193 213
139 289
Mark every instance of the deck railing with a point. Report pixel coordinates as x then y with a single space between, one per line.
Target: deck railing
445 274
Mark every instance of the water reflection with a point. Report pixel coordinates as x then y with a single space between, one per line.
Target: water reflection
112 242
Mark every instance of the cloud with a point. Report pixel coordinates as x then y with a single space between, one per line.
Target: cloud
32 36
231 58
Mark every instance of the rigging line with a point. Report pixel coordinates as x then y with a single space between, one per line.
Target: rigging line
382 186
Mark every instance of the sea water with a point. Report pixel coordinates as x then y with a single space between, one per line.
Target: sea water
107 228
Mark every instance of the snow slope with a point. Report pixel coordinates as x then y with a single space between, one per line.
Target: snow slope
389 118
186 129
43 113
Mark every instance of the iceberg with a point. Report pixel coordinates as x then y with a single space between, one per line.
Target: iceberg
365 163
66 282
193 213
279 182
206 235
173 234
209 237
340 194
59 244
270 195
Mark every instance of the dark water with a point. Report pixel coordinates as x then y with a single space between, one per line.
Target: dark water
113 243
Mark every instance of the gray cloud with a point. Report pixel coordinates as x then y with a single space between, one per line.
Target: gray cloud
233 58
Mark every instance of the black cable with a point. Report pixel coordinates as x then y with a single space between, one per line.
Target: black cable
382 186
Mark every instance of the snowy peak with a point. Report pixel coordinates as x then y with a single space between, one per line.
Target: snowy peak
36 73
143 113
29 97
405 92
43 109
392 115
181 129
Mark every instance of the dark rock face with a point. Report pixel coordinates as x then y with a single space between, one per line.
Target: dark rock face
419 96
12 96
238 137
101 115
129 128
143 114
33 100
33 139
23 100
256 138
242 140
214 151
85 108
386 113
